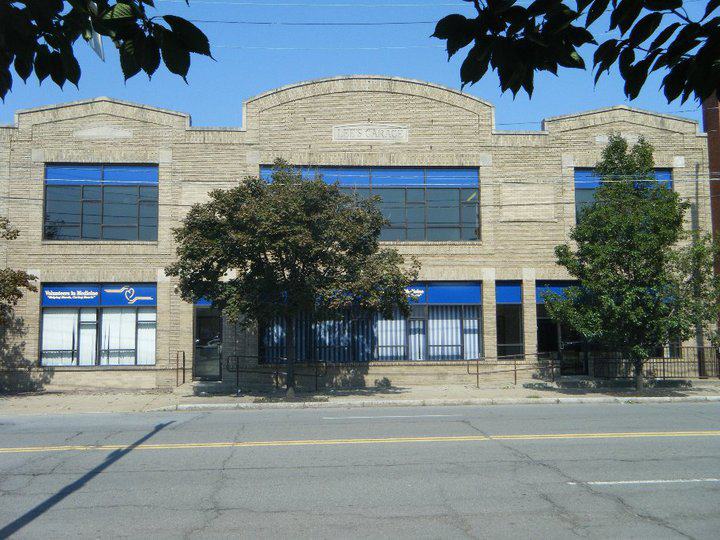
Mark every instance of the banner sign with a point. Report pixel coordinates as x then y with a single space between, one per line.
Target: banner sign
445 292
93 295
129 295
70 295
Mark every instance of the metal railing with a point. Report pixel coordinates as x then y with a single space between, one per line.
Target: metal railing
546 363
179 373
686 363
233 364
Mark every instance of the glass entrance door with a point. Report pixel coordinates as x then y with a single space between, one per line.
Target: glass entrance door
207 361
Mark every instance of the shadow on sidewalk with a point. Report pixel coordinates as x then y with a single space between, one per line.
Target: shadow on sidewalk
672 388
40 509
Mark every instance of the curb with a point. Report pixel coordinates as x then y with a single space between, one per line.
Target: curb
431 402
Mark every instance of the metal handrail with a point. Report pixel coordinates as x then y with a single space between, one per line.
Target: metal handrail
178 356
522 365
232 364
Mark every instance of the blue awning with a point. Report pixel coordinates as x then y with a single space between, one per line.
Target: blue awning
508 292
446 292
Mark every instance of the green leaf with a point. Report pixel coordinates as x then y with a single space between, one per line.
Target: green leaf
625 14
193 38
712 5
627 57
596 10
448 26
57 70
475 64
664 35
175 55
70 66
120 10
606 50
42 63
674 82
24 63
663 5
5 82
151 56
645 27
128 62
637 77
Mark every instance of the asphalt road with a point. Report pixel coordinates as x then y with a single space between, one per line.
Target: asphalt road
535 471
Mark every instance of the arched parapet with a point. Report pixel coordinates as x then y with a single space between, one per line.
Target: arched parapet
363 112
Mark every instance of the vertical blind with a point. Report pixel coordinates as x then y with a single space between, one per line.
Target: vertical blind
445 324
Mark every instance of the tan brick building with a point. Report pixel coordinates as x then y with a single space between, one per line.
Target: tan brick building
482 208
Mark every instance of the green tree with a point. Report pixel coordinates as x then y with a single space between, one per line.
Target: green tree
649 35
12 282
264 251
38 36
643 279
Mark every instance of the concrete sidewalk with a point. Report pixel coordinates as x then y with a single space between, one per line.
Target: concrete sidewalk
183 400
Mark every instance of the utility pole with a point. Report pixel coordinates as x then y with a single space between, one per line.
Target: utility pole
711 125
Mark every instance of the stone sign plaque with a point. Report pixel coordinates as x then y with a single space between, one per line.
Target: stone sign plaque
386 133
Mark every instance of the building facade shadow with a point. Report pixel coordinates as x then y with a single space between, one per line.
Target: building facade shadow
17 372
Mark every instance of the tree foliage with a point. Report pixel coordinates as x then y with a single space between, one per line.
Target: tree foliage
644 280
289 247
12 282
649 35
38 36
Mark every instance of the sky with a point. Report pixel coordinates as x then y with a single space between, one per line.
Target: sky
253 58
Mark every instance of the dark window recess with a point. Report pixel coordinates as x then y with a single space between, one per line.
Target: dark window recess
509 321
101 202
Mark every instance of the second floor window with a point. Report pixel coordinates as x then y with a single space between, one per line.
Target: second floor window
420 203
101 202
587 181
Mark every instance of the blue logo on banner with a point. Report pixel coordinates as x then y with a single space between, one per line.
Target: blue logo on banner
129 295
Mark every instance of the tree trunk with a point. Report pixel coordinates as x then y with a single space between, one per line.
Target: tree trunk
290 349
639 379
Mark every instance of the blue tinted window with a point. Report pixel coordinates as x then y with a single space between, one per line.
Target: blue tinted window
73 173
397 177
421 203
346 176
587 181
101 202
130 174
452 177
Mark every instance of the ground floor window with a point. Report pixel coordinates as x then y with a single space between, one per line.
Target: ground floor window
509 318
445 323
91 325
435 333
106 336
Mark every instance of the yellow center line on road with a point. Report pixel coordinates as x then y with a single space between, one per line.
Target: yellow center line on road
384 440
